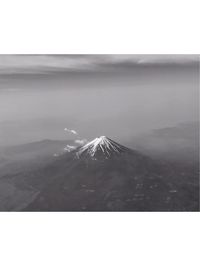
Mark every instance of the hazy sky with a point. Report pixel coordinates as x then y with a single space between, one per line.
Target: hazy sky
114 95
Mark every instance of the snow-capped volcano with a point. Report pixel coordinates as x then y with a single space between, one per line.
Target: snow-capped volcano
101 147
103 176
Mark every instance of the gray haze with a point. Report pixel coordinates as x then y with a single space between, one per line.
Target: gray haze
115 95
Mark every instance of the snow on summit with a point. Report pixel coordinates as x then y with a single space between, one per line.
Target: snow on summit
101 146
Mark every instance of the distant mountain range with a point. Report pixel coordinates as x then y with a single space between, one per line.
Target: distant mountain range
45 147
178 144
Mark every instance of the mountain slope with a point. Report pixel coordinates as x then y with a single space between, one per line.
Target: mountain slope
105 176
21 167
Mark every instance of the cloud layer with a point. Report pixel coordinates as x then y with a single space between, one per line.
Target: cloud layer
47 63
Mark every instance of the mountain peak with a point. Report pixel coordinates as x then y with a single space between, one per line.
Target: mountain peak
101 147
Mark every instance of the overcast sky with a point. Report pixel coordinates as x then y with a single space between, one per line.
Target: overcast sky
114 95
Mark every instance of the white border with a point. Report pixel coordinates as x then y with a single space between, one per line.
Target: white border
106 26
98 239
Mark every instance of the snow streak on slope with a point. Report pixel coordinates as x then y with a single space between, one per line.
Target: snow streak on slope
101 146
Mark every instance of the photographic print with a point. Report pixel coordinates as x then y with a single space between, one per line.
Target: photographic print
99 132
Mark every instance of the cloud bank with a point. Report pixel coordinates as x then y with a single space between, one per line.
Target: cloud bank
44 64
